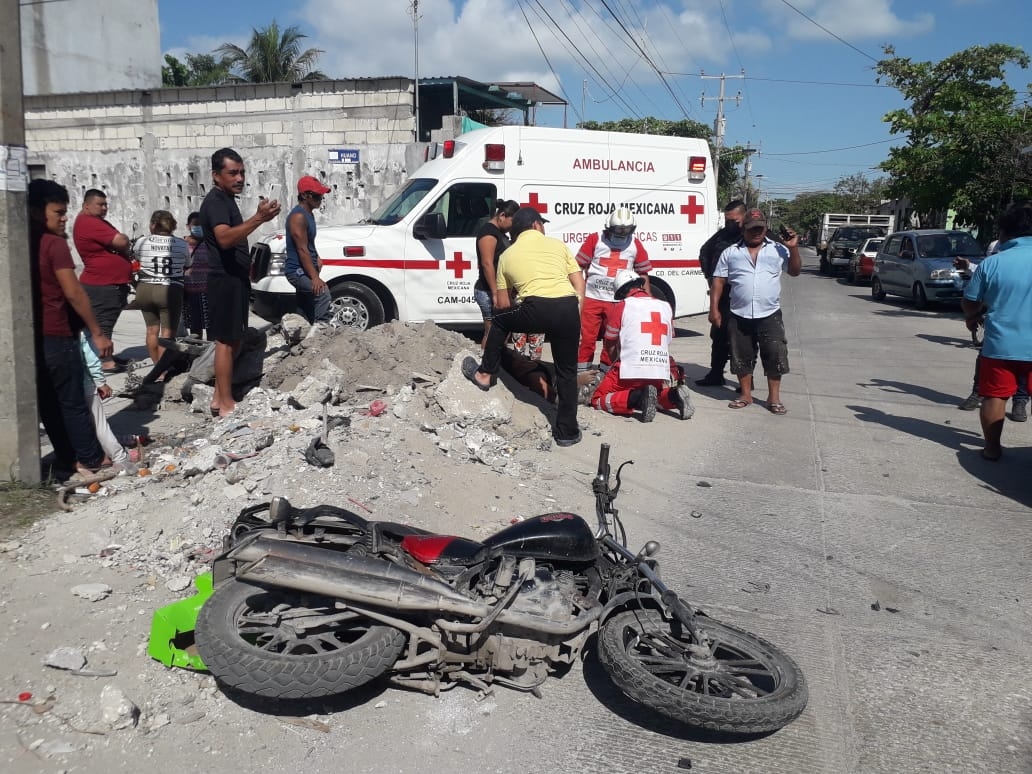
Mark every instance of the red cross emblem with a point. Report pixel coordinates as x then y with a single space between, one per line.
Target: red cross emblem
539 206
692 209
613 263
458 265
656 328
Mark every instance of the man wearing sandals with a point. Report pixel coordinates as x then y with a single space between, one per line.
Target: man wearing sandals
752 268
1001 285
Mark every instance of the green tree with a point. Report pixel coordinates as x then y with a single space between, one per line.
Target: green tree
860 194
963 133
272 56
805 212
198 70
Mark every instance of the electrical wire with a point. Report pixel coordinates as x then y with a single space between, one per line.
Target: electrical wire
836 150
815 23
652 64
551 69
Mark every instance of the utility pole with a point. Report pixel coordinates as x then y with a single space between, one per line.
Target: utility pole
414 10
719 123
749 151
19 426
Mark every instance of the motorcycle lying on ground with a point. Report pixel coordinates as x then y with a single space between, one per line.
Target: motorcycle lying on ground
314 602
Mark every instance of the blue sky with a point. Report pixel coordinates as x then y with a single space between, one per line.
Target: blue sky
809 101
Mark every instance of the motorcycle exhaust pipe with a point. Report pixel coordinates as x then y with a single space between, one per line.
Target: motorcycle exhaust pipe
356 578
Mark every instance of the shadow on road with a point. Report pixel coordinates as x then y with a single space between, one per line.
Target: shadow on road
904 388
949 341
1008 477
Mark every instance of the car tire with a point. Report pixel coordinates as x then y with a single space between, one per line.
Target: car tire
877 291
356 306
920 297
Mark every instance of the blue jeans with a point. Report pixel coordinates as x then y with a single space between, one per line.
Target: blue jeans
314 308
60 390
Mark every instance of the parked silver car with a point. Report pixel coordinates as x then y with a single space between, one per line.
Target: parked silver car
918 264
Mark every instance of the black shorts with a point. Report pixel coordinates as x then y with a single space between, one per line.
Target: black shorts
766 335
107 302
228 301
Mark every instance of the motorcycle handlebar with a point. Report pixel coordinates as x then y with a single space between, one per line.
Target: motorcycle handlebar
603 462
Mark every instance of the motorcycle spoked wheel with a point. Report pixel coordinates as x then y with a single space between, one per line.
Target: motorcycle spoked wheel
745 685
253 640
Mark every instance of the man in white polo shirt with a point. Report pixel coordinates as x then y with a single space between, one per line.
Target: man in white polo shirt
752 268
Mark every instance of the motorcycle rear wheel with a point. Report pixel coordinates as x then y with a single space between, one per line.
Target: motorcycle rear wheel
744 685
255 640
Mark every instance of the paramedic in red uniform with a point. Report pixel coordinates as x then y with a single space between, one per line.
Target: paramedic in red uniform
637 341
602 256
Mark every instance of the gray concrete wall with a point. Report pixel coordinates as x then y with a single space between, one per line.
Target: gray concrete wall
151 149
83 45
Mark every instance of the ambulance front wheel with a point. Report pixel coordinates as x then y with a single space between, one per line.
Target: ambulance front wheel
356 306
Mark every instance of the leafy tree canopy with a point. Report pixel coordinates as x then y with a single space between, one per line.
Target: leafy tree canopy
198 70
272 56
963 133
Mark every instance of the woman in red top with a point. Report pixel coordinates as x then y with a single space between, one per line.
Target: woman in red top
62 308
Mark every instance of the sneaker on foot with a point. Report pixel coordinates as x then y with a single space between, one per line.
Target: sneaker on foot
971 402
712 379
682 399
1019 411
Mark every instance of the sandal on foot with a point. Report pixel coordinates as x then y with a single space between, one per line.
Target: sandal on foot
469 370
991 457
738 404
777 408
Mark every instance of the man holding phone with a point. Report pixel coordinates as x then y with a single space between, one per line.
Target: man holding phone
752 269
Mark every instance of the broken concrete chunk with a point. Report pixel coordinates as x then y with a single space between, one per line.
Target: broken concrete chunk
294 328
65 657
116 709
92 592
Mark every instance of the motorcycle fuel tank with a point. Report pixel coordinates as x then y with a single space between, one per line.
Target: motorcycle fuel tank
555 536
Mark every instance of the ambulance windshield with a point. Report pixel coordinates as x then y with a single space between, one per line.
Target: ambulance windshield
402 202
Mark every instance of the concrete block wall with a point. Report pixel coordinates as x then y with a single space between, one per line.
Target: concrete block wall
152 149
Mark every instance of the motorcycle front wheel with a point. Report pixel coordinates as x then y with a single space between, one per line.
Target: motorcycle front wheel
740 683
284 644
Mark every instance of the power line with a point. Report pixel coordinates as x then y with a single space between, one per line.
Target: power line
815 23
666 84
545 57
835 150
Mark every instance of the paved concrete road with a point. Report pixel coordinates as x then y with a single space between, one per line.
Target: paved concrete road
870 490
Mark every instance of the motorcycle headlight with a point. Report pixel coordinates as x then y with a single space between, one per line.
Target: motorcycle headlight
941 274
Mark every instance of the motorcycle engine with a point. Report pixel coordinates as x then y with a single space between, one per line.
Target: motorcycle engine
546 593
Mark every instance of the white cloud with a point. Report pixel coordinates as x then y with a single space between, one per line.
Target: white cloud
489 40
852 20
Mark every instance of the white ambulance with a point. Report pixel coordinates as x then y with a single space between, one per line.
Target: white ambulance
415 258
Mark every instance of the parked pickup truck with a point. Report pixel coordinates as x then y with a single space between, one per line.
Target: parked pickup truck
842 234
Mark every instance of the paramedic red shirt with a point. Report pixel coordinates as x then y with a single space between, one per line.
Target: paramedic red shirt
93 237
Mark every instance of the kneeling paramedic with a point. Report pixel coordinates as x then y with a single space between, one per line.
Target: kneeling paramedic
638 343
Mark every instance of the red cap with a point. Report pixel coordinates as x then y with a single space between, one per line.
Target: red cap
309 184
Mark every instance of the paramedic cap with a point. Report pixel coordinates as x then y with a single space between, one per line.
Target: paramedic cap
309 184
754 218
524 219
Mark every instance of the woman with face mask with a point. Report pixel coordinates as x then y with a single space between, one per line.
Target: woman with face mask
195 302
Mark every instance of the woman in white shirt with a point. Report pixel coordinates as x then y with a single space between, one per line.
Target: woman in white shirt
159 293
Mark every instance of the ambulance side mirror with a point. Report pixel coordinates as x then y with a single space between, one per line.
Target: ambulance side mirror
431 226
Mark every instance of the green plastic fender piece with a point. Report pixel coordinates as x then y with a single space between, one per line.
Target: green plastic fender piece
172 628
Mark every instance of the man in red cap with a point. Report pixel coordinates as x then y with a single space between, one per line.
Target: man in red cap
302 265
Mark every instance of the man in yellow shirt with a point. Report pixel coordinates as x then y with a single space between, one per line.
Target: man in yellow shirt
548 286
